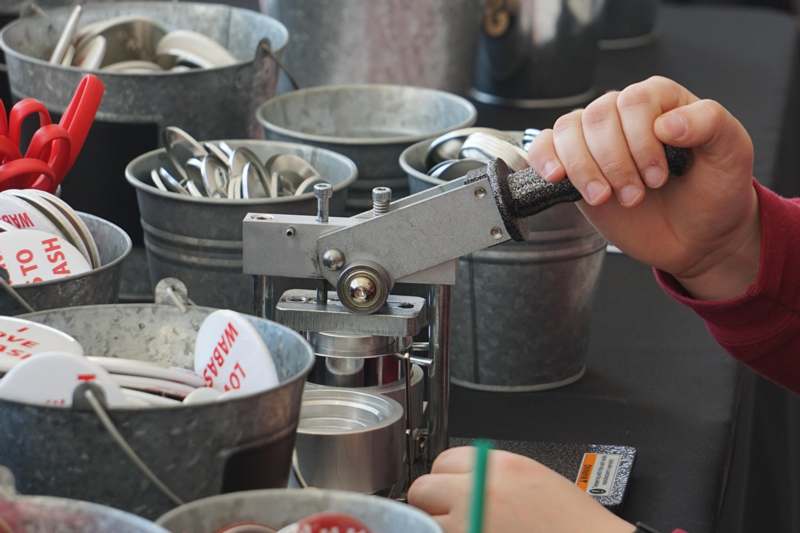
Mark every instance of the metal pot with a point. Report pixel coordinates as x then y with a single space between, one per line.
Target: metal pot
521 311
197 450
99 286
535 54
426 43
43 514
279 508
208 103
199 240
370 124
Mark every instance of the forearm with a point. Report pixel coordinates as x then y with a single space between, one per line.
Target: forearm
760 327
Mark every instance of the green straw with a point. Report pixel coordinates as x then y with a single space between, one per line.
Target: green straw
482 448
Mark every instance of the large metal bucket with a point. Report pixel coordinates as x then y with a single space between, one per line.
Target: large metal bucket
521 311
196 450
208 103
370 124
99 286
537 54
426 43
45 514
279 508
199 240
628 23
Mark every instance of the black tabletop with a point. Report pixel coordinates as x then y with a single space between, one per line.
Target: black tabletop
656 378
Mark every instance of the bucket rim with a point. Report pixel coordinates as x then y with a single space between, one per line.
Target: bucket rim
300 376
8 50
106 511
385 503
472 115
137 183
411 170
108 266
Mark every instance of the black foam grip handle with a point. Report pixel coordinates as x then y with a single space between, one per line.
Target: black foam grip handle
525 193
530 193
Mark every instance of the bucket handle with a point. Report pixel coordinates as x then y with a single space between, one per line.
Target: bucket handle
90 393
264 51
172 291
6 286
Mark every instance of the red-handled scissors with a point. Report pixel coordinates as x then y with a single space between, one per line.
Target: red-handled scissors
53 146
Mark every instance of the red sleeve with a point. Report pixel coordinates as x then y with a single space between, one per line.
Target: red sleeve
761 328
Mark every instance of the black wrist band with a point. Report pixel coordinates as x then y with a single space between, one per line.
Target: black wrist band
644 528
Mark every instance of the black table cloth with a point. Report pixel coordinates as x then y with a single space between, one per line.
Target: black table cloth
657 380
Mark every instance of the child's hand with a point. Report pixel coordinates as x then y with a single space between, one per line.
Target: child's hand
703 227
521 496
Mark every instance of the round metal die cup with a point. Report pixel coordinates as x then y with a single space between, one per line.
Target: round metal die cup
350 440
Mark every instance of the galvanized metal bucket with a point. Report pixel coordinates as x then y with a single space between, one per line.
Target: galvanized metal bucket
199 240
99 286
426 43
279 508
370 124
628 23
44 514
196 450
208 103
521 311
536 54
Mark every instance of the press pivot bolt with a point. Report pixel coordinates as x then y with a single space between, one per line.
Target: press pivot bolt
362 290
497 233
381 198
333 259
480 192
323 192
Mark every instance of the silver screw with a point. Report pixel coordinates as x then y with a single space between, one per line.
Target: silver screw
480 192
323 192
333 259
381 198
497 233
362 289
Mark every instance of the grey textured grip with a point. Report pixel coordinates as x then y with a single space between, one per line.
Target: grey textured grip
525 193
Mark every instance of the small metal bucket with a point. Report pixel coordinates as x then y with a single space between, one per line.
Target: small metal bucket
370 124
425 43
208 103
535 54
45 514
628 23
99 286
279 508
196 450
199 240
521 311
